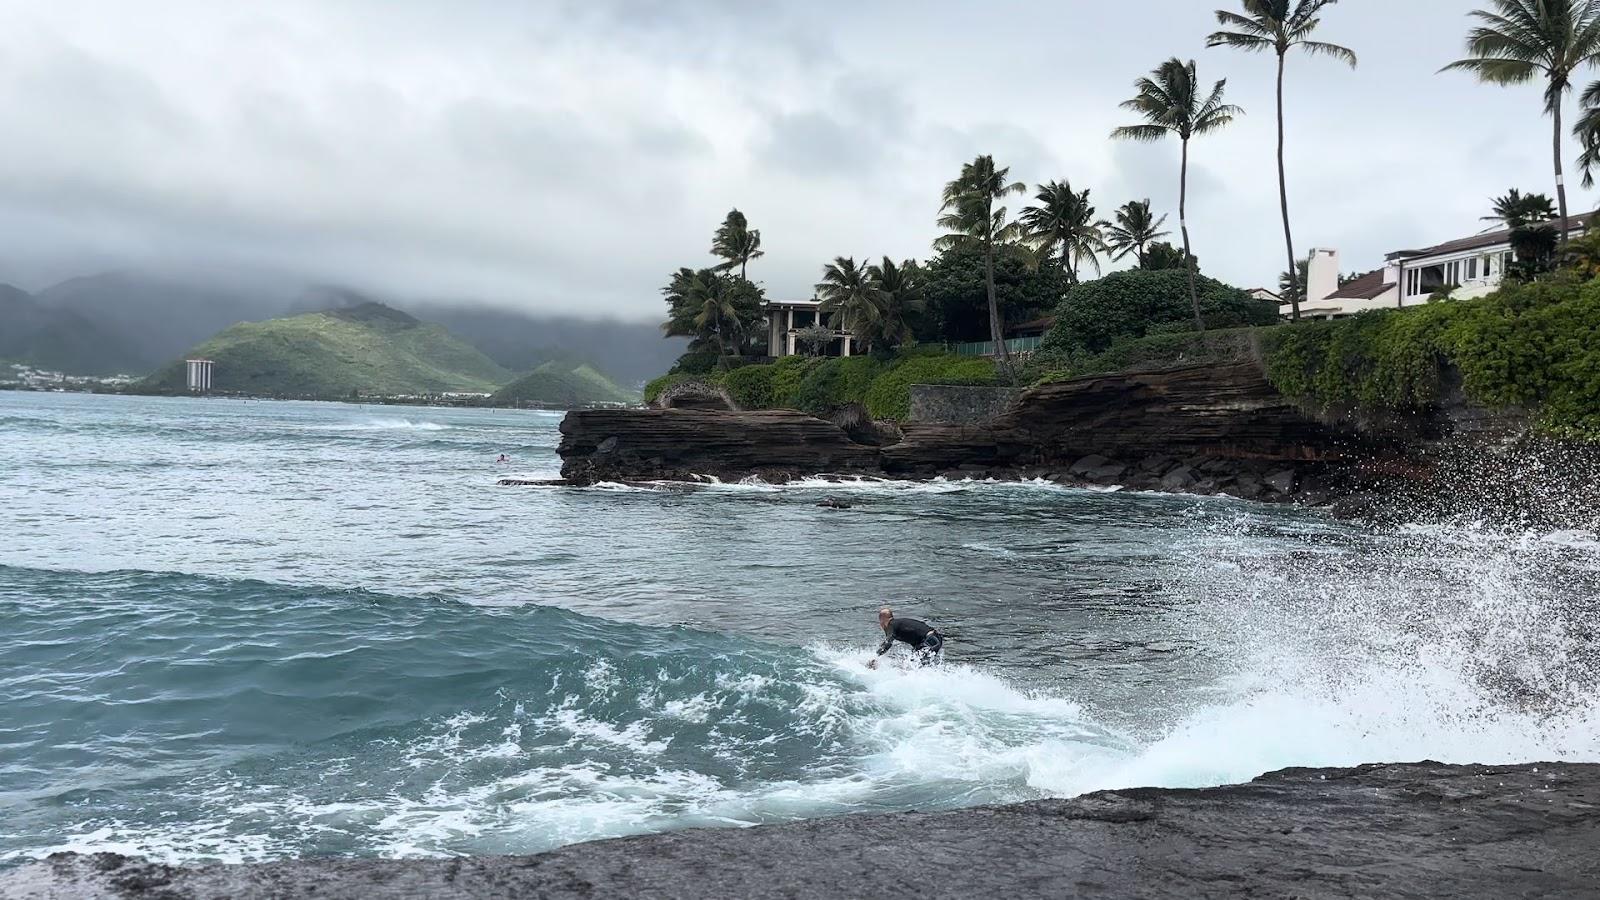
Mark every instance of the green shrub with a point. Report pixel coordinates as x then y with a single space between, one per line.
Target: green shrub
836 382
1154 351
1095 315
752 386
889 397
1535 346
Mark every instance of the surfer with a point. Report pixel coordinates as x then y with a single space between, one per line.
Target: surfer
927 644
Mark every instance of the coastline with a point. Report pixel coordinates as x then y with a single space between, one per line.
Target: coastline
1382 830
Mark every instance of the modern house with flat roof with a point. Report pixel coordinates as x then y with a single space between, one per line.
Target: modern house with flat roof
1474 265
787 318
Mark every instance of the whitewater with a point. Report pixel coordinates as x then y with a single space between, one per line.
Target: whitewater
244 631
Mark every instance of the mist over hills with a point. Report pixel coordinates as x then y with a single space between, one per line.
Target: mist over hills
136 322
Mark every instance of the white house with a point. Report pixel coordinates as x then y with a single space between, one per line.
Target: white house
1474 265
787 318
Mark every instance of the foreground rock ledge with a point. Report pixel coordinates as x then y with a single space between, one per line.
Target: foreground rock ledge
1420 830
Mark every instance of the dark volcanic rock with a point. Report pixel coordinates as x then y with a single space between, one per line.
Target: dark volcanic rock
1424 830
679 444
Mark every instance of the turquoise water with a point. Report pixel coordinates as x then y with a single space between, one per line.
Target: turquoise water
248 630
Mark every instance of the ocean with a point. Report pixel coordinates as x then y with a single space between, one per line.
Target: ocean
235 630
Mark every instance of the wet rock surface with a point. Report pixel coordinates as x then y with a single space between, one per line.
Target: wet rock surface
1419 830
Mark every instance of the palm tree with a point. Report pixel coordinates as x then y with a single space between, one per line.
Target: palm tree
1280 26
849 298
736 242
1065 219
899 295
1524 39
1515 209
1171 104
1292 285
1134 229
972 219
716 313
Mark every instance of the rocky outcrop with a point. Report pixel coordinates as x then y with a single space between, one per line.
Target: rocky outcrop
1422 830
1201 429
696 395
685 444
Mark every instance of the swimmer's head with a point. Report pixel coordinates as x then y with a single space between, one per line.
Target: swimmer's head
884 615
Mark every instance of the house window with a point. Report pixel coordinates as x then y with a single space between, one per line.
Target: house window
1472 269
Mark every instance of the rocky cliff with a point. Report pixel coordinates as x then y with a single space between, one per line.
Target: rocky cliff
1423 830
1205 428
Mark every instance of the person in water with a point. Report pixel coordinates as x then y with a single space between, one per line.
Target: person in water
927 644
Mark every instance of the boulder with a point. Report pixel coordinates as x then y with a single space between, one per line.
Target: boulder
1088 464
1179 479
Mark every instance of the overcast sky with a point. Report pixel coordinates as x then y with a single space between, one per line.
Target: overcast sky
568 155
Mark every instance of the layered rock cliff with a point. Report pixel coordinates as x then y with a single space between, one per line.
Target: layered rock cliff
1201 428
1423 830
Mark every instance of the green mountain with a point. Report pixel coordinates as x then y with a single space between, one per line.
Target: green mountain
368 348
561 383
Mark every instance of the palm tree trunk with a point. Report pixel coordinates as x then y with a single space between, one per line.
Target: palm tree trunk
996 330
1283 201
1561 182
745 261
1183 225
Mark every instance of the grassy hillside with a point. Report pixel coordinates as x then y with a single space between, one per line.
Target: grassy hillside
368 349
565 384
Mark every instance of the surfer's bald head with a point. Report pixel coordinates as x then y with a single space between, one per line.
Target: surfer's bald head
884 615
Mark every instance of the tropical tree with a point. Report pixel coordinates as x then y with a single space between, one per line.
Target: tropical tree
737 243
1521 40
1292 285
1171 104
971 216
1514 209
849 298
1161 256
1280 26
1134 229
1064 219
899 296
712 309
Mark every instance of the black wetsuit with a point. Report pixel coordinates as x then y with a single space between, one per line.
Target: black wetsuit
925 640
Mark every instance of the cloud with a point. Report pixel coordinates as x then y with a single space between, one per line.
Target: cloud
568 155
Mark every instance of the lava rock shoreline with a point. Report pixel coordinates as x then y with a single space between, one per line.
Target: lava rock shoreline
1402 830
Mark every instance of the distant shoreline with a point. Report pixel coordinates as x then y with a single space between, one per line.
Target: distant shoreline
461 402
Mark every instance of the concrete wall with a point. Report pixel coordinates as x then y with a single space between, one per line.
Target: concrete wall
948 404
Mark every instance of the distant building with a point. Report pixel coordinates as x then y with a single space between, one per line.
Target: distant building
1474 266
787 318
1264 294
200 374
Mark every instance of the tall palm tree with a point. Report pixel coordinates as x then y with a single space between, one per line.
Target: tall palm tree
899 295
736 242
972 217
1064 219
849 299
1515 209
1280 26
1135 229
1171 103
1525 39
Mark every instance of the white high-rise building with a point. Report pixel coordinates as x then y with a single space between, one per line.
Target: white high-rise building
200 374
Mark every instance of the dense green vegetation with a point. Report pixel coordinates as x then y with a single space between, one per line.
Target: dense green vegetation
365 349
820 386
1126 305
563 384
1533 346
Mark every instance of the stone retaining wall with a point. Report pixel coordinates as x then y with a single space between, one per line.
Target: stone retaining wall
952 404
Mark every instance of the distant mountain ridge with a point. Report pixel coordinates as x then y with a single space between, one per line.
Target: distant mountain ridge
563 384
133 323
364 350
